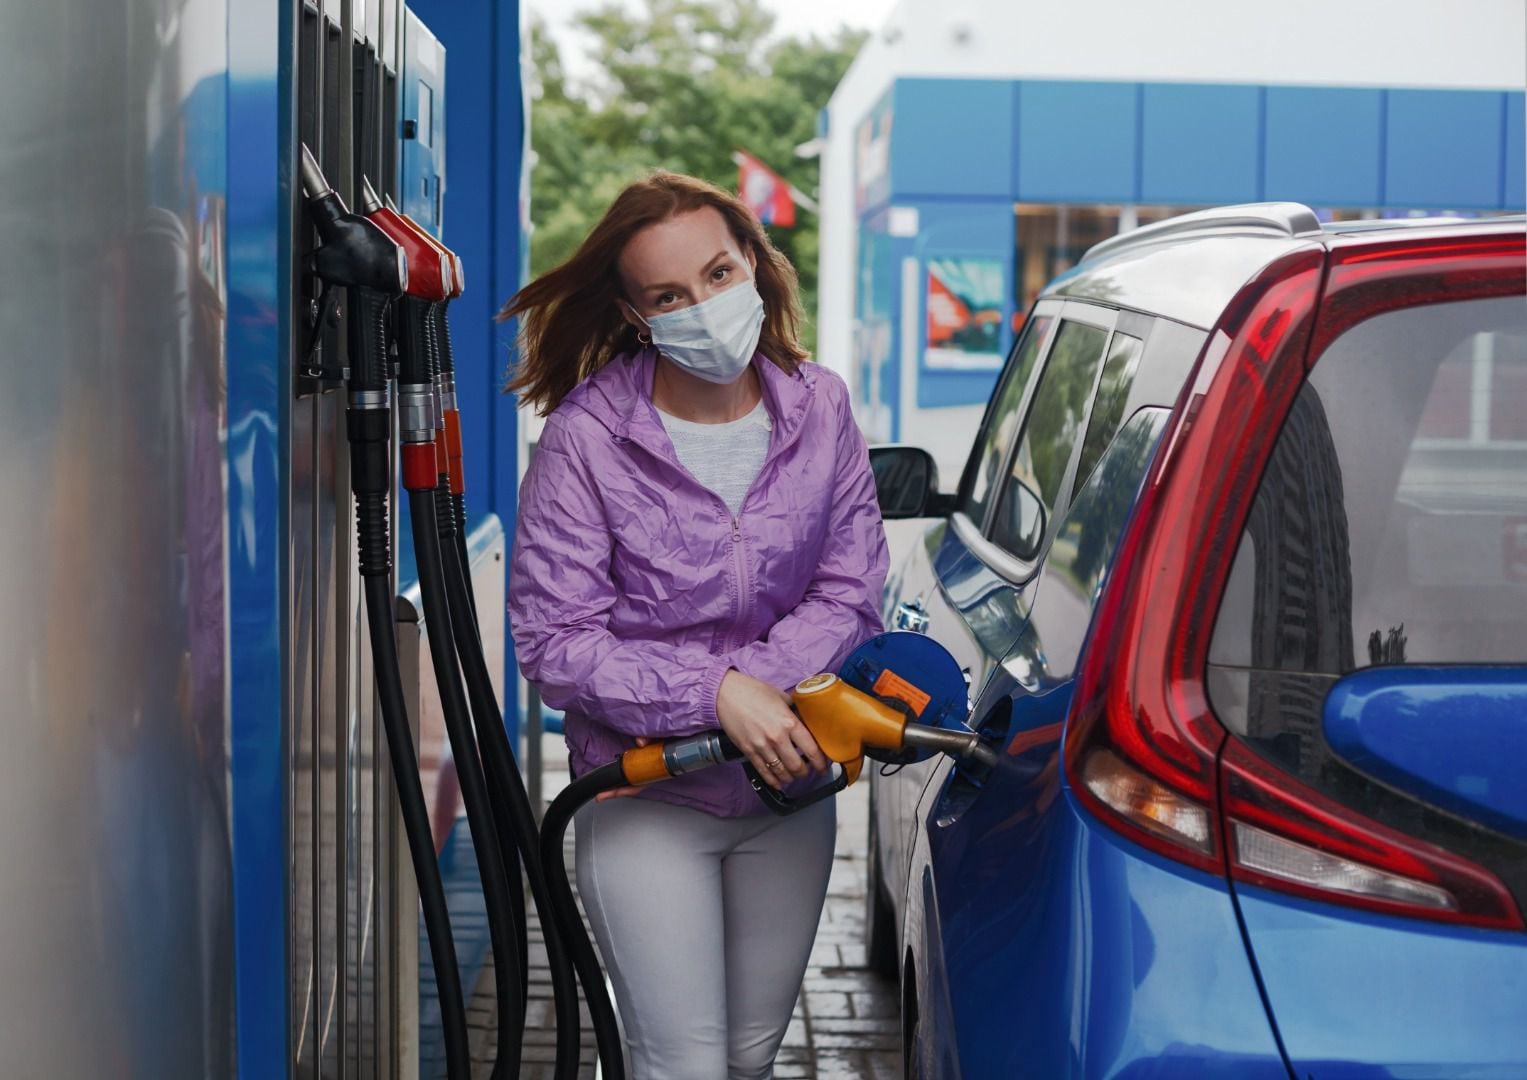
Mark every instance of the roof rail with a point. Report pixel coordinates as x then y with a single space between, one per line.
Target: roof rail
1286 219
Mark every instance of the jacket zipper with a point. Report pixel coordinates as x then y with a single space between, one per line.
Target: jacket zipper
744 596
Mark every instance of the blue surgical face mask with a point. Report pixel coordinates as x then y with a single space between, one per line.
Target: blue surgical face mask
714 340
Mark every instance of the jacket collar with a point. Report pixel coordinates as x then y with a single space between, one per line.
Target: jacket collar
619 395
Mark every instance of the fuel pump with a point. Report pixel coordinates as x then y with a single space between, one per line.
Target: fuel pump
513 812
372 267
899 697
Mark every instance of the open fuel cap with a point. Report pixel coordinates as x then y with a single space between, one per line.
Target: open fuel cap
913 674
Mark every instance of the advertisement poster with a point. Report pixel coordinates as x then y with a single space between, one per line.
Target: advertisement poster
964 304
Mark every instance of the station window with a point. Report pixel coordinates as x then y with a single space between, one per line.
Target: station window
1051 239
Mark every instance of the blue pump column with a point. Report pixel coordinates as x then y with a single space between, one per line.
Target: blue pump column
482 215
260 106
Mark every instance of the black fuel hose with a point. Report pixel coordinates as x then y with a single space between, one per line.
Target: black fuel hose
459 507
497 895
458 500
569 922
369 426
513 815
510 818
421 844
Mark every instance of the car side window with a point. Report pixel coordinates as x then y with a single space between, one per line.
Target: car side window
1032 487
1002 420
1108 406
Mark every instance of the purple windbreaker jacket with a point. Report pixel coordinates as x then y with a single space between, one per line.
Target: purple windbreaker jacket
632 590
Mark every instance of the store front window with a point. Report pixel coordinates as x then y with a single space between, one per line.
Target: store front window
1052 238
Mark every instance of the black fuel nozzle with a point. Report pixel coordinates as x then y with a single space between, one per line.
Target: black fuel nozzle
360 258
357 256
354 252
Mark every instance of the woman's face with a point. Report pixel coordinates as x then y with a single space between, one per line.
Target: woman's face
682 261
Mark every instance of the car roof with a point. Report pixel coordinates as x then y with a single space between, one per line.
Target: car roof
1188 268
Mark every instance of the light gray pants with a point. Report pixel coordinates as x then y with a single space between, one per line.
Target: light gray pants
705 925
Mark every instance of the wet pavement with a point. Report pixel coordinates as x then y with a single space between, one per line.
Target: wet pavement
846 1024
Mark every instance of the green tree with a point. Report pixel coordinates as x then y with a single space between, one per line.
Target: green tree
681 84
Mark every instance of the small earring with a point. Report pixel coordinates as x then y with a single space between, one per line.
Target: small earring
644 337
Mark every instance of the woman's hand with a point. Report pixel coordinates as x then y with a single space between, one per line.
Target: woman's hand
758 719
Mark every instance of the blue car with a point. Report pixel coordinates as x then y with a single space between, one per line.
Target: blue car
1237 571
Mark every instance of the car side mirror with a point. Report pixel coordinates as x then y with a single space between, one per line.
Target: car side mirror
906 482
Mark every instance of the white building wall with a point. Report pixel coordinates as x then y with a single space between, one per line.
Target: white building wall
1457 44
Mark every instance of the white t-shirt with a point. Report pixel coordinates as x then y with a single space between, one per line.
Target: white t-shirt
724 457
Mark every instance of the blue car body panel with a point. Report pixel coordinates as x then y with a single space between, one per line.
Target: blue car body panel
1359 995
1080 954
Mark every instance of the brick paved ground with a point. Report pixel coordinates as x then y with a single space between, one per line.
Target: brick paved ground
845 1025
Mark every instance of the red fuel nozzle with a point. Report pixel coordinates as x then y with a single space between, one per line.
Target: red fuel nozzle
430 284
449 443
433 273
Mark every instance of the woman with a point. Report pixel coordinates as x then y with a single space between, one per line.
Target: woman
697 532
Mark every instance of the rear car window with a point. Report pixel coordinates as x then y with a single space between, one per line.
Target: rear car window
1391 524
1032 487
1002 422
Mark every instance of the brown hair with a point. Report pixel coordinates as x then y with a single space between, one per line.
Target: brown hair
570 324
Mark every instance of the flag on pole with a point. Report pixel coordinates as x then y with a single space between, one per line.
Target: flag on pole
766 193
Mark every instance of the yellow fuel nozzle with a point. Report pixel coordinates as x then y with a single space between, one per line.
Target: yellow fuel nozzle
844 720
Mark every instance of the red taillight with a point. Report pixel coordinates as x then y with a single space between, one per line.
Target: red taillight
1144 750
1287 836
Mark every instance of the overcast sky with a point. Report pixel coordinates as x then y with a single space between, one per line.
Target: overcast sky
795 18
